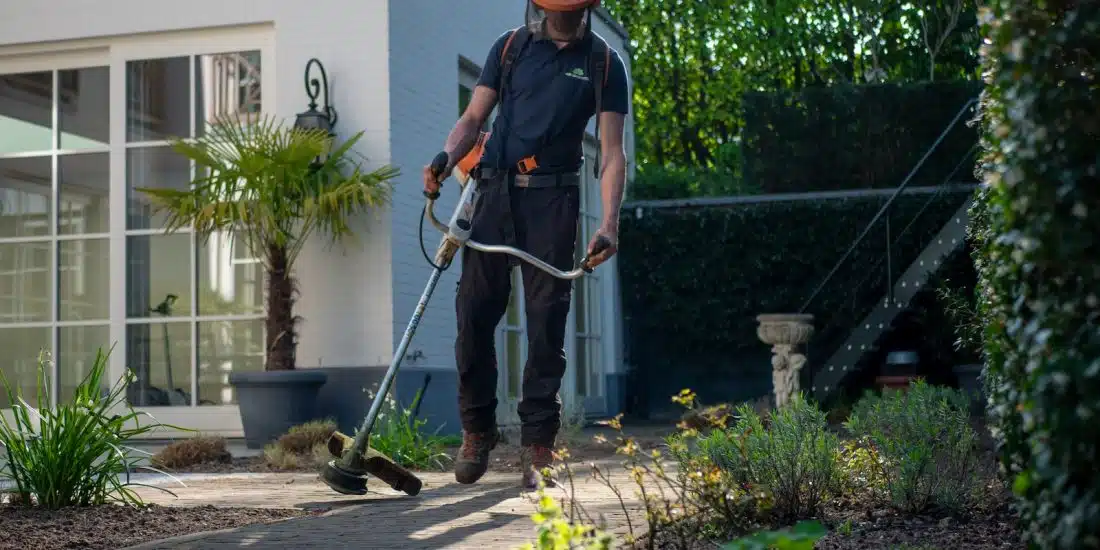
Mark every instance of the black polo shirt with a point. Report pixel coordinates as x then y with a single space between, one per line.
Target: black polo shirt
549 103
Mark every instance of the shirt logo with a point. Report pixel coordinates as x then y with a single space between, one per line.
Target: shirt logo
577 73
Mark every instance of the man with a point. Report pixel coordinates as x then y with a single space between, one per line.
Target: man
529 174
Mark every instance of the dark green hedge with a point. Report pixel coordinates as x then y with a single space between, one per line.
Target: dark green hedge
1038 261
871 136
693 280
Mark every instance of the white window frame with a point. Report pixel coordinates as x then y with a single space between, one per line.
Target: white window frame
114 53
53 238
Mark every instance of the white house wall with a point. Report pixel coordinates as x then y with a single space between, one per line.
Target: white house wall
345 297
427 38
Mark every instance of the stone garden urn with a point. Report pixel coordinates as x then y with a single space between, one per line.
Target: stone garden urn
786 334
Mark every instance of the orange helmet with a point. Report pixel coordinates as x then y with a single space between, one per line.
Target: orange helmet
566 5
569 16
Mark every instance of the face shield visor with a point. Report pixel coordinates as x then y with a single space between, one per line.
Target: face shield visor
561 24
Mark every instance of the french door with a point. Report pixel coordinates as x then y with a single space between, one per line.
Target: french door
85 263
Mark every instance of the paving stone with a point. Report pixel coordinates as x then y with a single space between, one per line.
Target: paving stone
493 513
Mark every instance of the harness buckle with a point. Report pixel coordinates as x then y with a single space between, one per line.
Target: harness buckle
526 165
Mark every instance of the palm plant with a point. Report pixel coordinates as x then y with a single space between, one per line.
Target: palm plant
272 187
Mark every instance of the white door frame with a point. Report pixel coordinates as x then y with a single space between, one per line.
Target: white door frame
221 419
596 403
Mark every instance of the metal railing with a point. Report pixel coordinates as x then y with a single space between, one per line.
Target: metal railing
829 337
886 207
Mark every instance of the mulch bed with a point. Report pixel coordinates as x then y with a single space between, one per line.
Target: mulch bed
995 530
113 526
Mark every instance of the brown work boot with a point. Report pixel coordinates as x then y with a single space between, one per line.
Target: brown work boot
535 459
473 457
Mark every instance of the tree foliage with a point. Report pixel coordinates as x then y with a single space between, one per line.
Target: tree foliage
693 59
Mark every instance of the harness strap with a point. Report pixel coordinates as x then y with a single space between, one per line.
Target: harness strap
507 61
598 65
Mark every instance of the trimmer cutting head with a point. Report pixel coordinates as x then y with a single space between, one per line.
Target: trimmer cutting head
347 481
342 481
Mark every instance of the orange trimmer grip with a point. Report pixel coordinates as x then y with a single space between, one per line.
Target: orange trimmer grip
466 165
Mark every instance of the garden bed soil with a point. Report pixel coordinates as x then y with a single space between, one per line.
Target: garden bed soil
995 530
112 526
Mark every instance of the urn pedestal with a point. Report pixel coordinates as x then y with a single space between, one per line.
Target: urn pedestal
787 334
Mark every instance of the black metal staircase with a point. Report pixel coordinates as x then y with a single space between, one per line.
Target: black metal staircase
842 351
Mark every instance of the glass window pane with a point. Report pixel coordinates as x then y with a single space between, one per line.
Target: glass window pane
26 275
152 167
22 347
514 356
84 108
227 85
158 99
226 347
580 374
25 196
160 356
76 353
84 279
464 96
231 280
85 189
26 112
158 275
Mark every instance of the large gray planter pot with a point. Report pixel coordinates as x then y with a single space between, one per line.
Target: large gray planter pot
272 402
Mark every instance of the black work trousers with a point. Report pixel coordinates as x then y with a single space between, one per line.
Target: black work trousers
543 222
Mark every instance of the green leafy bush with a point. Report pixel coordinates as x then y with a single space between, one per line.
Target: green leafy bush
802 536
1038 263
861 469
557 532
855 137
792 456
927 448
669 182
404 438
74 453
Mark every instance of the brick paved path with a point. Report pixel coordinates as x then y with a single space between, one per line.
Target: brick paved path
492 514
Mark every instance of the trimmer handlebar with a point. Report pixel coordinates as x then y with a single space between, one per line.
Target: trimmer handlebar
438 166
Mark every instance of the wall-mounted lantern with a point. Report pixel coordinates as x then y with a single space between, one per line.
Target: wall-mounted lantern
314 119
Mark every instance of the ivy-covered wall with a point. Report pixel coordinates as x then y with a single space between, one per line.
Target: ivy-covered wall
1037 231
856 137
694 279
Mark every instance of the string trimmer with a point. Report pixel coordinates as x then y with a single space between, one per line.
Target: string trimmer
354 458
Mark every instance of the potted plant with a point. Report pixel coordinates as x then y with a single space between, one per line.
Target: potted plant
272 187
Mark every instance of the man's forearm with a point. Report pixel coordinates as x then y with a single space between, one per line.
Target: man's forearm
612 183
461 139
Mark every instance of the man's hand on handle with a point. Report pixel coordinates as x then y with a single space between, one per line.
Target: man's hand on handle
434 174
603 245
